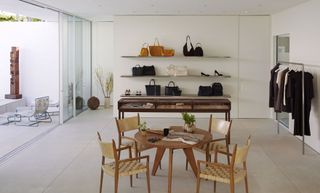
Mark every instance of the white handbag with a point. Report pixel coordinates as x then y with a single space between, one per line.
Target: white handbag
173 70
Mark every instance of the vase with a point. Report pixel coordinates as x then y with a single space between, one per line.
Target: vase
106 102
189 127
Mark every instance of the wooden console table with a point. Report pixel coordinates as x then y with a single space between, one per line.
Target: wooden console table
174 104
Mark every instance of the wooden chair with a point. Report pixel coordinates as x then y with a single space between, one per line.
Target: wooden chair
220 127
124 167
226 173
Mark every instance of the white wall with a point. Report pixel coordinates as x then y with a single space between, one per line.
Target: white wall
302 24
102 53
39 58
219 35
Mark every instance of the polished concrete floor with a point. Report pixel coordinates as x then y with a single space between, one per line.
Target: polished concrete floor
67 160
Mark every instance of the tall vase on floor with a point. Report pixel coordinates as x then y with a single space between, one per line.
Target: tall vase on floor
106 102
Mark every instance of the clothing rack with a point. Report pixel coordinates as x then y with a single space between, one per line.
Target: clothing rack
303 116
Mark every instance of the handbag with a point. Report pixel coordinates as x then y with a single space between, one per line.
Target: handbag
144 52
149 71
198 51
172 89
217 89
168 52
137 70
205 91
187 52
173 70
152 89
156 50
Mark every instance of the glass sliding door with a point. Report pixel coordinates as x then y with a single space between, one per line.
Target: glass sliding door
283 54
75 59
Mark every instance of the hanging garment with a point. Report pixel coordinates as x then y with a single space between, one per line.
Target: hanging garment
278 106
287 102
296 95
271 85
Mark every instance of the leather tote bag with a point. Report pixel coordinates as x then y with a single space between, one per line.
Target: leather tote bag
186 50
152 89
172 89
205 91
198 51
149 71
156 49
217 89
137 70
144 52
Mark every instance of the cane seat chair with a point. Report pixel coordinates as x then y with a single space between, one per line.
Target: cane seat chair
124 167
226 173
216 127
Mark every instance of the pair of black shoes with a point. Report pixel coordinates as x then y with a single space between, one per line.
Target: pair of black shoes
216 73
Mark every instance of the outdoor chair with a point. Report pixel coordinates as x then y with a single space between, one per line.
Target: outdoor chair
37 114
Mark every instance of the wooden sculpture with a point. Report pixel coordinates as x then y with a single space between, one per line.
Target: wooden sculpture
14 71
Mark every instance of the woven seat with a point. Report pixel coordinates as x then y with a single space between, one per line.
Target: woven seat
212 147
229 173
124 167
222 174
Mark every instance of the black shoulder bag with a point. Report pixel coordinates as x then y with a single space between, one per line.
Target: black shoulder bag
217 89
205 91
172 89
152 89
187 52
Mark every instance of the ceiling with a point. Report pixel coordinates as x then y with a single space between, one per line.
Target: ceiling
104 9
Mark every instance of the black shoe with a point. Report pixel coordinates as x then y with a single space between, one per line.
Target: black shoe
216 73
203 74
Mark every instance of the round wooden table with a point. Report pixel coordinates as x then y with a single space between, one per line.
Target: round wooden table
162 145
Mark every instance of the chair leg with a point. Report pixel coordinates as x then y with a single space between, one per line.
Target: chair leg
198 184
160 166
214 186
186 164
131 181
148 180
231 187
116 182
246 183
101 181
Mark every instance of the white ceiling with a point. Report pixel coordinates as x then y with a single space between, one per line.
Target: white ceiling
102 9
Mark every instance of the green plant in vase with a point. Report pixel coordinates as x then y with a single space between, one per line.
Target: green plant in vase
189 121
143 128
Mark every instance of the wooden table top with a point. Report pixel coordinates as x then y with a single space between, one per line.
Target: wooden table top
170 144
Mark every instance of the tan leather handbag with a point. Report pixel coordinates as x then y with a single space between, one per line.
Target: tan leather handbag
168 52
144 52
156 50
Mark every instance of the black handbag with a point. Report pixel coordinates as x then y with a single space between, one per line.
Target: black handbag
172 89
198 51
187 52
205 91
137 70
152 89
217 89
149 71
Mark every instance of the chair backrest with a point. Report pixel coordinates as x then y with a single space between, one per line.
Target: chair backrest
128 124
219 126
41 105
242 152
108 150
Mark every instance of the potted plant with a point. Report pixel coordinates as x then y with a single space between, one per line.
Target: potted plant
189 122
106 84
143 128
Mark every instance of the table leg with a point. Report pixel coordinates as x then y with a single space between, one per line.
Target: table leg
170 170
122 115
189 155
119 115
157 159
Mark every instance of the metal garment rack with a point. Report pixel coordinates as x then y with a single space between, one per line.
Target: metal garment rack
303 117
